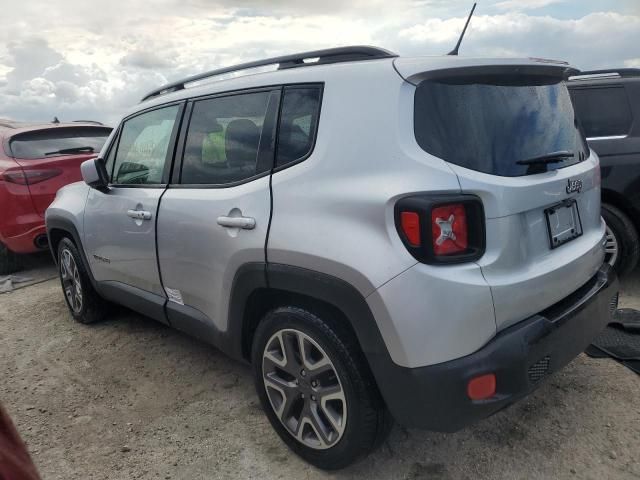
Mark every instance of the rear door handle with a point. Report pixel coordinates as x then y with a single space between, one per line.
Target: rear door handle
246 223
139 214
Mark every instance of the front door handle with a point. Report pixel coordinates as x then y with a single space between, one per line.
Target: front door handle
139 214
246 223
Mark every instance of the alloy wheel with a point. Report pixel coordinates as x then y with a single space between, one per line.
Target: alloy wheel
71 280
304 389
611 247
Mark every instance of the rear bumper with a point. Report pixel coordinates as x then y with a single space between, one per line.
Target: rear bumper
521 356
25 242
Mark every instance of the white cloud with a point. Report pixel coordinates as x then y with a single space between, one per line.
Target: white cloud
525 4
83 63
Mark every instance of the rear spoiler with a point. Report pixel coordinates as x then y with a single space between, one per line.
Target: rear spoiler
507 74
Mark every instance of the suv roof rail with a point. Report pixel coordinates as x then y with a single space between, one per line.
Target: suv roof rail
316 57
611 73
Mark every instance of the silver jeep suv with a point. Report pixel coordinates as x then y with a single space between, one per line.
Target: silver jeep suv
380 237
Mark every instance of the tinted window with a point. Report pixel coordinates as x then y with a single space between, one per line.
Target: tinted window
223 140
49 143
489 127
144 143
604 111
110 160
298 123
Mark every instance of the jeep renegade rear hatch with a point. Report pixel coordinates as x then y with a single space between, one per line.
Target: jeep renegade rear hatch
508 131
499 120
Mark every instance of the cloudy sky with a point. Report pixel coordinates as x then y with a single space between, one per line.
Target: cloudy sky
88 59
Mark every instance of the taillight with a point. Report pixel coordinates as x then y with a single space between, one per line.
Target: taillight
29 177
411 227
449 229
442 228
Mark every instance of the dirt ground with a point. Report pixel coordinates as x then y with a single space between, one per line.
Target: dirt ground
130 398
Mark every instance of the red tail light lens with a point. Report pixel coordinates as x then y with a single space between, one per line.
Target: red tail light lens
449 229
439 229
29 177
411 227
14 176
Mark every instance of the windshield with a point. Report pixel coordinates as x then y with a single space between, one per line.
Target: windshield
58 141
496 126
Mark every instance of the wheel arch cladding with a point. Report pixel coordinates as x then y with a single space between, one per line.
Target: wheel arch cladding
55 236
59 228
259 288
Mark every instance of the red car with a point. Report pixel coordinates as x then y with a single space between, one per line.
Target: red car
35 161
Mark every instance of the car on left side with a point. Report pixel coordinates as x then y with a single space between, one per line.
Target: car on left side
36 160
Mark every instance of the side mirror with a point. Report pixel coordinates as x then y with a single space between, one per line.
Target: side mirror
94 174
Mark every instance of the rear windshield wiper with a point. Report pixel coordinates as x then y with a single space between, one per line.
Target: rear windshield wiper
552 157
71 151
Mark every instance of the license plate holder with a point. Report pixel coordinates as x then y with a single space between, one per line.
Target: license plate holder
563 222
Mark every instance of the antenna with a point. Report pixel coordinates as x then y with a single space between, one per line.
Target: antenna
464 30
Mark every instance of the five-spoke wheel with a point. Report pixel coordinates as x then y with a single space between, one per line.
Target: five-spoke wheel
84 303
70 277
304 388
316 388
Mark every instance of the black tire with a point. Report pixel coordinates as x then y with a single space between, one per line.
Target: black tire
92 307
626 237
9 261
368 421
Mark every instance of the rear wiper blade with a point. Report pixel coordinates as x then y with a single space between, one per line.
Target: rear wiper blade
72 150
552 157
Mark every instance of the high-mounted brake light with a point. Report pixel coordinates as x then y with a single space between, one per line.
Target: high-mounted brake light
29 177
440 229
449 229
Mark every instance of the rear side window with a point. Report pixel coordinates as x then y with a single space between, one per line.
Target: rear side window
58 141
491 125
298 123
143 147
224 138
603 111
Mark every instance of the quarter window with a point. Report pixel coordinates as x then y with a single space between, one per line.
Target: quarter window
144 146
298 123
603 111
224 139
111 157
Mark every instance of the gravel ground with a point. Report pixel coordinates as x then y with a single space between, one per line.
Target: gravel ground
130 398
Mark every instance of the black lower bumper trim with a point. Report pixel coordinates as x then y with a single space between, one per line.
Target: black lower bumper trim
521 356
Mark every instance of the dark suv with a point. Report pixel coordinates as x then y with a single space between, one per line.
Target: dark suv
608 105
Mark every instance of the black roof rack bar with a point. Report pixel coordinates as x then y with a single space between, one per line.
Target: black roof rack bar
622 72
330 55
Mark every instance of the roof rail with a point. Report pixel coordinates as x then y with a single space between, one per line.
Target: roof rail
317 57
611 73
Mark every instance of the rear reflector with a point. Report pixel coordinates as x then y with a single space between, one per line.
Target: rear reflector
411 227
449 229
482 387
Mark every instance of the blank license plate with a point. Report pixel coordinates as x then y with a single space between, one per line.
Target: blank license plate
564 223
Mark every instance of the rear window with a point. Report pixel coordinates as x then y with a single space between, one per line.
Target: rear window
492 125
603 111
53 142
